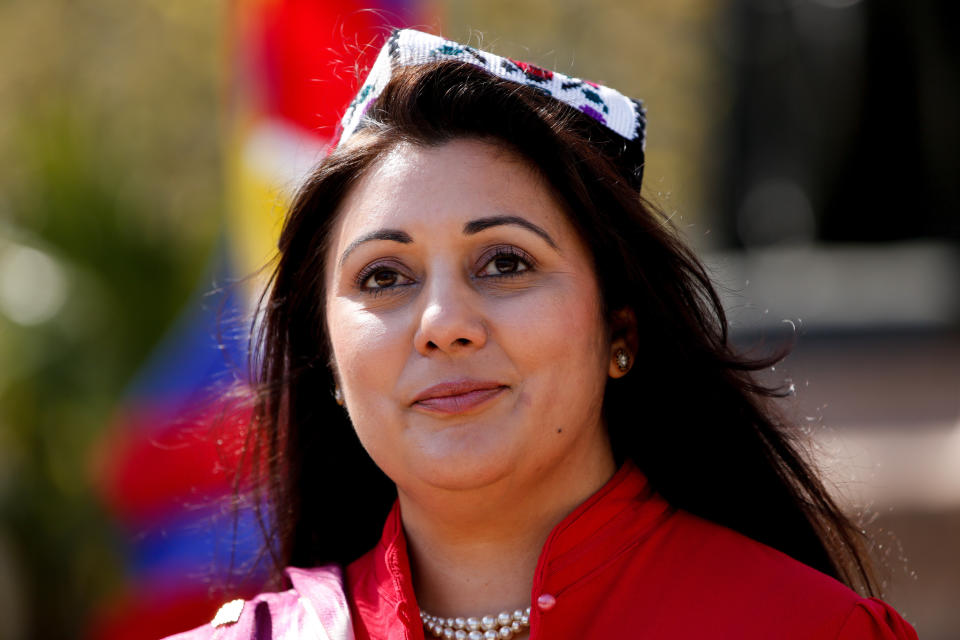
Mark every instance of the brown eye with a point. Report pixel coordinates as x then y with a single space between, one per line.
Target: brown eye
504 264
383 279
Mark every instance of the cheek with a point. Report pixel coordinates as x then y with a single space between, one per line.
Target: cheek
369 356
559 333
366 347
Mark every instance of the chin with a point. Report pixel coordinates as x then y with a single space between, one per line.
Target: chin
459 462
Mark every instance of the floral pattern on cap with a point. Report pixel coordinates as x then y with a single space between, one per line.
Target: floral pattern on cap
624 116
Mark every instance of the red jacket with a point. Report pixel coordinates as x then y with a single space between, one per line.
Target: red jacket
625 564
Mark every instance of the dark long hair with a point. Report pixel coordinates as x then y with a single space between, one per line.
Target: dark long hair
691 414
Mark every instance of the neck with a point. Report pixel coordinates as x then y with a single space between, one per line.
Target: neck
475 552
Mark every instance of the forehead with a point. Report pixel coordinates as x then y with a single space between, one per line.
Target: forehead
426 190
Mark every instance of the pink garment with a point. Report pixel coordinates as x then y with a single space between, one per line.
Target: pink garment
315 607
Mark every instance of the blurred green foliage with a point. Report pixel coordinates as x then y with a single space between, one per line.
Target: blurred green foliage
111 172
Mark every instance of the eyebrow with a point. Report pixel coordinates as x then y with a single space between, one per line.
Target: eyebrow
470 228
394 235
478 225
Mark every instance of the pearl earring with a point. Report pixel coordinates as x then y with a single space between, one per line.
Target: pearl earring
337 394
623 360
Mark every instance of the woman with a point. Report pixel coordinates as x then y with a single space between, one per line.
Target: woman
532 386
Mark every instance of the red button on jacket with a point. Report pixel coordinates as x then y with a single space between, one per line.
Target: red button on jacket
625 564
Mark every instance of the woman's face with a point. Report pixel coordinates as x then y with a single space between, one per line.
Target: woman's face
464 316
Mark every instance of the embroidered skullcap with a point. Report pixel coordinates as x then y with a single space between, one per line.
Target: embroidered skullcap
623 116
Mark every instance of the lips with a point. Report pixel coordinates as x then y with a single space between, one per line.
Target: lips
457 397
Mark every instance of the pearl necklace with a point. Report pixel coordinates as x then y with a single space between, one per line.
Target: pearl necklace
502 626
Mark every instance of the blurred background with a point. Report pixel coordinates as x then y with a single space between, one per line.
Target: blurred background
808 148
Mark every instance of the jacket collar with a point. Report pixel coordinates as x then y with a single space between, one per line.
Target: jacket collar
612 520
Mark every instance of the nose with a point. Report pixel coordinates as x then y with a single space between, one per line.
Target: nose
450 320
